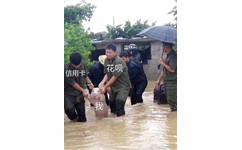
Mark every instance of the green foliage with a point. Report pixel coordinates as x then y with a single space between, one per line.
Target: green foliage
174 47
121 31
78 41
174 13
131 31
98 36
115 32
74 33
127 30
77 13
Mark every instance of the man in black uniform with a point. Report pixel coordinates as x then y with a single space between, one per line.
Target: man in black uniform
74 77
96 73
137 78
134 53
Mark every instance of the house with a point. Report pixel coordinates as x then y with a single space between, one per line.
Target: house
150 50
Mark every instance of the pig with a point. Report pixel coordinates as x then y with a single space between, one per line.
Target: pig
98 100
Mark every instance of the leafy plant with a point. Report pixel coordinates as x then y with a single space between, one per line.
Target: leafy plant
78 41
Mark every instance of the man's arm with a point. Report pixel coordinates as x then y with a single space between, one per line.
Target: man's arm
160 78
172 64
166 66
79 88
89 83
101 84
71 82
109 83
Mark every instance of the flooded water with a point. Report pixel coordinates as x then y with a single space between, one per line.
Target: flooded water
144 127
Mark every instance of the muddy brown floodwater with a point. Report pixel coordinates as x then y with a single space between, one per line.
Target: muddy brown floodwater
144 127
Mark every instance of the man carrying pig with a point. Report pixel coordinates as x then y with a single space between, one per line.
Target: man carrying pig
74 76
117 78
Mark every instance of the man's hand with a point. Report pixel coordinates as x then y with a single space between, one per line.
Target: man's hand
162 62
109 90
103 90
157 83
85 94
159 79
101 85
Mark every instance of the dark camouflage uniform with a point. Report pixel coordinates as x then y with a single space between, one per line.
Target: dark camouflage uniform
74 102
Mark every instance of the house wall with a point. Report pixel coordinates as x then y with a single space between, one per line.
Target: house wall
151 70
